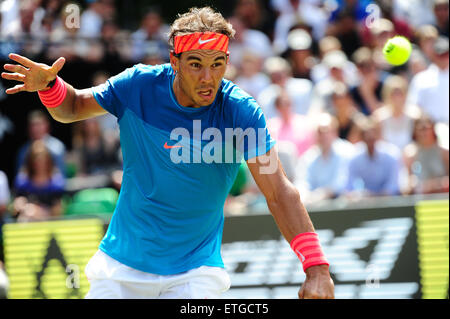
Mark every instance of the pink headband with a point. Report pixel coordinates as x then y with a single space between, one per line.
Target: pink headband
201 41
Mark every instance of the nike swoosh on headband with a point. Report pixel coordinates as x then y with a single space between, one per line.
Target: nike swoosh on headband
200 41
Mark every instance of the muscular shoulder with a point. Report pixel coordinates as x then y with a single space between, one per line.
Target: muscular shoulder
236 98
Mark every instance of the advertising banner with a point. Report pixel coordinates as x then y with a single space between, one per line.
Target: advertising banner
386 252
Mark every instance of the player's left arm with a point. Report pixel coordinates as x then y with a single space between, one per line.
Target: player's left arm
283 201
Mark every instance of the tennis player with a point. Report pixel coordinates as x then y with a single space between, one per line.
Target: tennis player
165 235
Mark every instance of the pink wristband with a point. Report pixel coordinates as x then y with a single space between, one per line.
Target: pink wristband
307 248
55 96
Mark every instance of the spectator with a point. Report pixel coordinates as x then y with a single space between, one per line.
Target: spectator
250 77
335 62
346 29
39 129
151 34
289 126
390 22
321 70
415 12
343 107
26 28
299 90
39 186
254 15
440 10
417 63
326 163
381 32
426 36
4 201
373 171
356 8
246 40
367 94
429 89
9 12
395 119
111 49
97 153
67 41
300 53
93 18
427 162
307 14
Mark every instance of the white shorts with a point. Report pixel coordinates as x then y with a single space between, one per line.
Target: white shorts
111 279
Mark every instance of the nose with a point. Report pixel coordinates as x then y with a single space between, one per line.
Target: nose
206 75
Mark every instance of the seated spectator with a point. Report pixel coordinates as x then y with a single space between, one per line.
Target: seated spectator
250 77
367 94
440 10
254 15
346 28
39 129
381 32
427 162
39 186
9 13
299 52
426 35
298 11
415 12
344 109
299 90
246 40
26 27
92 19
326 163
429 89
373 171
357 9
335 63
151 34
96 153
322 70
4 201
289 126
66 41
395 119
417 62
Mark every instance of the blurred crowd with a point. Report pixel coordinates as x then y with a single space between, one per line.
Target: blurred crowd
347 124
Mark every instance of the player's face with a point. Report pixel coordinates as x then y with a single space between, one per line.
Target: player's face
199 74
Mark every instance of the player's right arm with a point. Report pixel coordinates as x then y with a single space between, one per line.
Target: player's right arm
77 105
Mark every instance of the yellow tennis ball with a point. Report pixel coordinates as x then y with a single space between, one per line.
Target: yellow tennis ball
397 50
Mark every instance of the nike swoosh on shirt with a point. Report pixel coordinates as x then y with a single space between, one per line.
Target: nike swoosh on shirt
200 41
171 146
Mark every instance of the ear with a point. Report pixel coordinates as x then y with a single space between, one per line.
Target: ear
174 61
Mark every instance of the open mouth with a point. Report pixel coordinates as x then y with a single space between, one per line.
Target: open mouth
206 93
